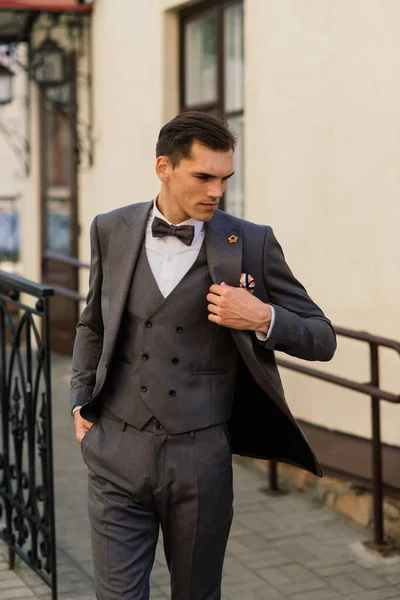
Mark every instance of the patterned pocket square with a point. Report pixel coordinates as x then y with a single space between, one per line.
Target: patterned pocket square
247 282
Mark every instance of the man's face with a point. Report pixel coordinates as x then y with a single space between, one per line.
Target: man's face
195 186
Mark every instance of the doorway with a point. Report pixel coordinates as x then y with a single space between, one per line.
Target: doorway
59 206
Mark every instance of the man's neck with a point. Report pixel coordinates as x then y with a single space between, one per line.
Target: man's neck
172 216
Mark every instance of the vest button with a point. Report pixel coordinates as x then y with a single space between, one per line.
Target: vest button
158 425
175 361
172 393
145 357
143 388
149 324
179 329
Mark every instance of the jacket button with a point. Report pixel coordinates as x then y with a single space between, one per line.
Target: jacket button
145 357
143 388
149 324
158 425
175 361
172 393
179 329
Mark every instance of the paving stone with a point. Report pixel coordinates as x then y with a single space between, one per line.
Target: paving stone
393 579
274 576
345 584
241 590
16 593
304 586
327 594
368 580
386 593
264 592
338 569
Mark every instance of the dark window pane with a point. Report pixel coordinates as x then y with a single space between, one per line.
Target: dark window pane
234 57
201 61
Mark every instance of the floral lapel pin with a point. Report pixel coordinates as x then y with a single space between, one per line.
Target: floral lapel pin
247 282
232 239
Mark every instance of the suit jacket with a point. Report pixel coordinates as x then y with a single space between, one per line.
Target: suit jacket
261 424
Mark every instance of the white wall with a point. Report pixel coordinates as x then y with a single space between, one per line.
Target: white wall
323 155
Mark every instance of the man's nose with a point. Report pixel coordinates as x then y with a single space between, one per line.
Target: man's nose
215 190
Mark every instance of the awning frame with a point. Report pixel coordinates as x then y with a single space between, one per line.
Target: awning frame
14 10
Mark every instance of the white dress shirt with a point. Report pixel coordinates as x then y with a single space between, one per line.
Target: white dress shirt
169 258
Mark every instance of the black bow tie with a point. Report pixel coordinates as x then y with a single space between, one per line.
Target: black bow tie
160 228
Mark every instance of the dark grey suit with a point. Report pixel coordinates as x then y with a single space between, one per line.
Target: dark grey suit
161 395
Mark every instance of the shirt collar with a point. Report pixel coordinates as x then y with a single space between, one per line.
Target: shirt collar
198 225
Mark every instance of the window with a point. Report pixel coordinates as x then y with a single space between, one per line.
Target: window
212 75
9 229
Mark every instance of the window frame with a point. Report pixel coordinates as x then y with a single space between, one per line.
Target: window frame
186 16
190 14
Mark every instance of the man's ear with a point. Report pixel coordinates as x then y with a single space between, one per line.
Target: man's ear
163 167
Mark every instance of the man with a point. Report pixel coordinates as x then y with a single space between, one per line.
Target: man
176 344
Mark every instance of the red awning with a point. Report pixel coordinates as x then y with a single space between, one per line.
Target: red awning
46 6
18 16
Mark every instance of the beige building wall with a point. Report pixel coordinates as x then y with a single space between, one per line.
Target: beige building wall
322 166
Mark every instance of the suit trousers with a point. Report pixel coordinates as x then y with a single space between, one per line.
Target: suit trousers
141 479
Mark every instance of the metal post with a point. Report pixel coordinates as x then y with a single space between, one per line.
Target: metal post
50 467
273 485
273 477
4 410
376 450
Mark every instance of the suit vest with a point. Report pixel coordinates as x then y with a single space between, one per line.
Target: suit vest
170 361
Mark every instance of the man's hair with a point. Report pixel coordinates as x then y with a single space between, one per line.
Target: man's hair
177 136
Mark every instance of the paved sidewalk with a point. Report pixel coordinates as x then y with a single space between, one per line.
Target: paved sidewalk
280 548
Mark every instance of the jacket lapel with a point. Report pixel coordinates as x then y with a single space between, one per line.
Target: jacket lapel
225 264
224 259
125 244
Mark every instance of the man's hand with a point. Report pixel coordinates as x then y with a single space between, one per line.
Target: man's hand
236 308
81 426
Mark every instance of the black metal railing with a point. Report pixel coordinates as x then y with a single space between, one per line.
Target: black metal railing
72 262
27 516
372 389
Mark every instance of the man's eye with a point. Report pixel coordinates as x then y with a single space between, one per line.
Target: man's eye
203 177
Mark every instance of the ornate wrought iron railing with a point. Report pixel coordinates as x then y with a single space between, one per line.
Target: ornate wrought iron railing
27 518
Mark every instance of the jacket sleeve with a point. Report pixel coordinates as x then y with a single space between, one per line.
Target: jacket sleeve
89 334
301 328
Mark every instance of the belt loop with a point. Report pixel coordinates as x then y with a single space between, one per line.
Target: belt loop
123 425
192 434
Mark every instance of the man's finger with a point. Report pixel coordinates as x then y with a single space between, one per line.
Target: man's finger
213 309
80 433
220 288
214 318
213 298
216 289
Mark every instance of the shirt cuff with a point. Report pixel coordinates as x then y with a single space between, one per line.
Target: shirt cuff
261 336
76 408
